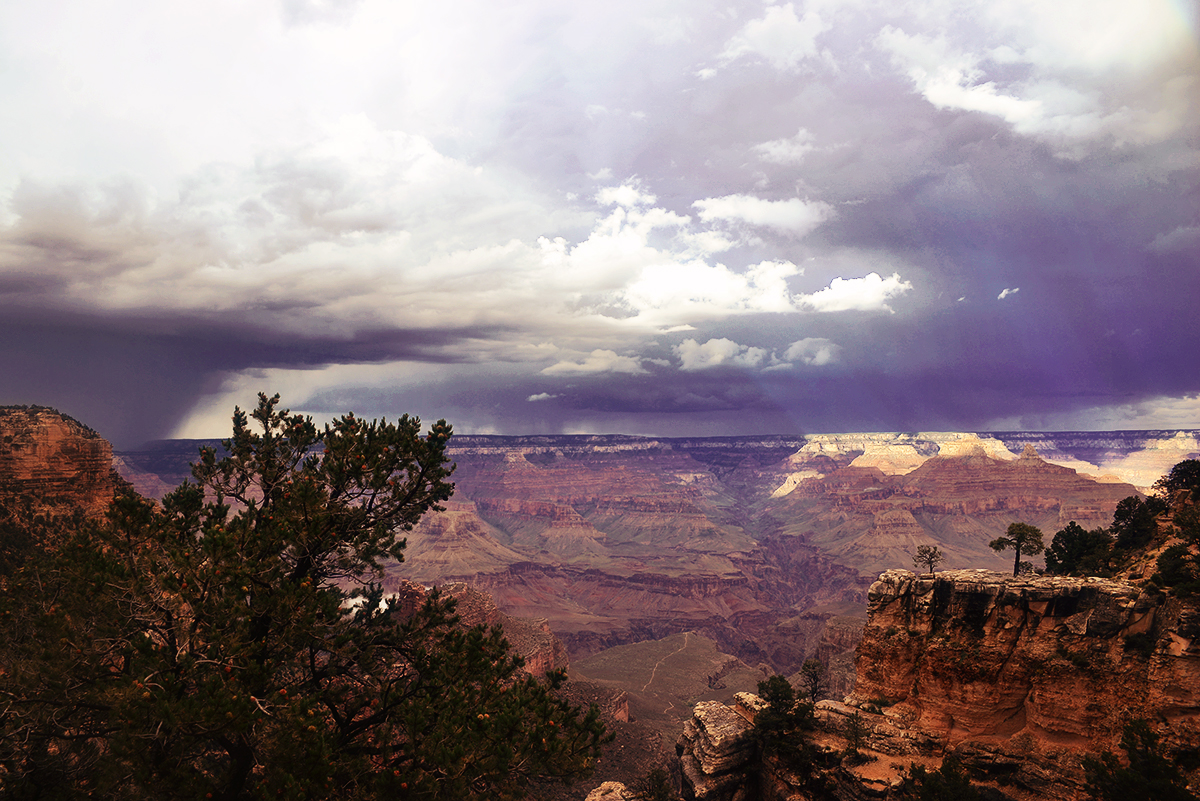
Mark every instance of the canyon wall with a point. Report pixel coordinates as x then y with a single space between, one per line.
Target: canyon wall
1022 676
1018 677
50 463
749 540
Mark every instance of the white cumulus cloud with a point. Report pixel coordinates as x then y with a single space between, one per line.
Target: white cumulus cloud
627 195
1007 292
790 150
869 293
795 217
598 361
1070 72
815 351
780 37
674 291
717 352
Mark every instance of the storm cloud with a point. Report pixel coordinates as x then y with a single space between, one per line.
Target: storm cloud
662 218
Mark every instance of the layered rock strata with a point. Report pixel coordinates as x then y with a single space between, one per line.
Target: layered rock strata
715 751
52 463
1022 676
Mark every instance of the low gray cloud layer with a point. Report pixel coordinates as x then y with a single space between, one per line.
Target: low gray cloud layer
654 218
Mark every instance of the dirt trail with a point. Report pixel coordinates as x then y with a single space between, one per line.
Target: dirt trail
683 647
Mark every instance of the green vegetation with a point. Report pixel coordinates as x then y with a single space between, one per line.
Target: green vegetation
190 651
814 680
1146 774
950 782
855 732
1183 476
781 729
1187 523
655 786
1023 539
1077 552
1177 568
928 557
1135 521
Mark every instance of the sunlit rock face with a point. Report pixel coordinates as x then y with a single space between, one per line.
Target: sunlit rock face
1133 457
1018 671
53 462
862 517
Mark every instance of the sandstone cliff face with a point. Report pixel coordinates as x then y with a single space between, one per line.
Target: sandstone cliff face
859 516
54 462
1024 675
716 750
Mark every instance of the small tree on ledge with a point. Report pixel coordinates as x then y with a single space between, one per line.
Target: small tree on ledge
1023 539
928 556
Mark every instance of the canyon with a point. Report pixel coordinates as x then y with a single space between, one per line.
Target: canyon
742 557
51 463
753 542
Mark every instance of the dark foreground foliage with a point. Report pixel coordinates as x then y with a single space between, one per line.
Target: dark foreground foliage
1147 774
186 651
782 731
950 782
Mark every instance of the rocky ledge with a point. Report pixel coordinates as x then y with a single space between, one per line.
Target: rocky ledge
716 750
1022 676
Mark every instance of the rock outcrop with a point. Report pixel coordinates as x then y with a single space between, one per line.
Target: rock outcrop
611 791
715 751
1021 676
50 463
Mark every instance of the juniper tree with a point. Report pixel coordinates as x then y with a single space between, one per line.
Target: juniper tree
1135 521
814 679
197 650
928 557
1023 539
1146 772
782 727
1076 551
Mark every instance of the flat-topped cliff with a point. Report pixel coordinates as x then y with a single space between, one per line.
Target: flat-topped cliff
1025 675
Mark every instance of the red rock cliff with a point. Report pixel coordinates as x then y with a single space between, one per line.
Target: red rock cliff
54 462
1024 675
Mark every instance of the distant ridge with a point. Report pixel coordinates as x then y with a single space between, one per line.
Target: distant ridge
1138 457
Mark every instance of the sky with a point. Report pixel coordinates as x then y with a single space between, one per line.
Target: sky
658 217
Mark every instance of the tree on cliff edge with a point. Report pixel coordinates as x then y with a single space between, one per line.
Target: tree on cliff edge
782 728
1023 539
181 651
928 556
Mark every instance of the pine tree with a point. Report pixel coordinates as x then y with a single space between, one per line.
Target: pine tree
189 650
1023 539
